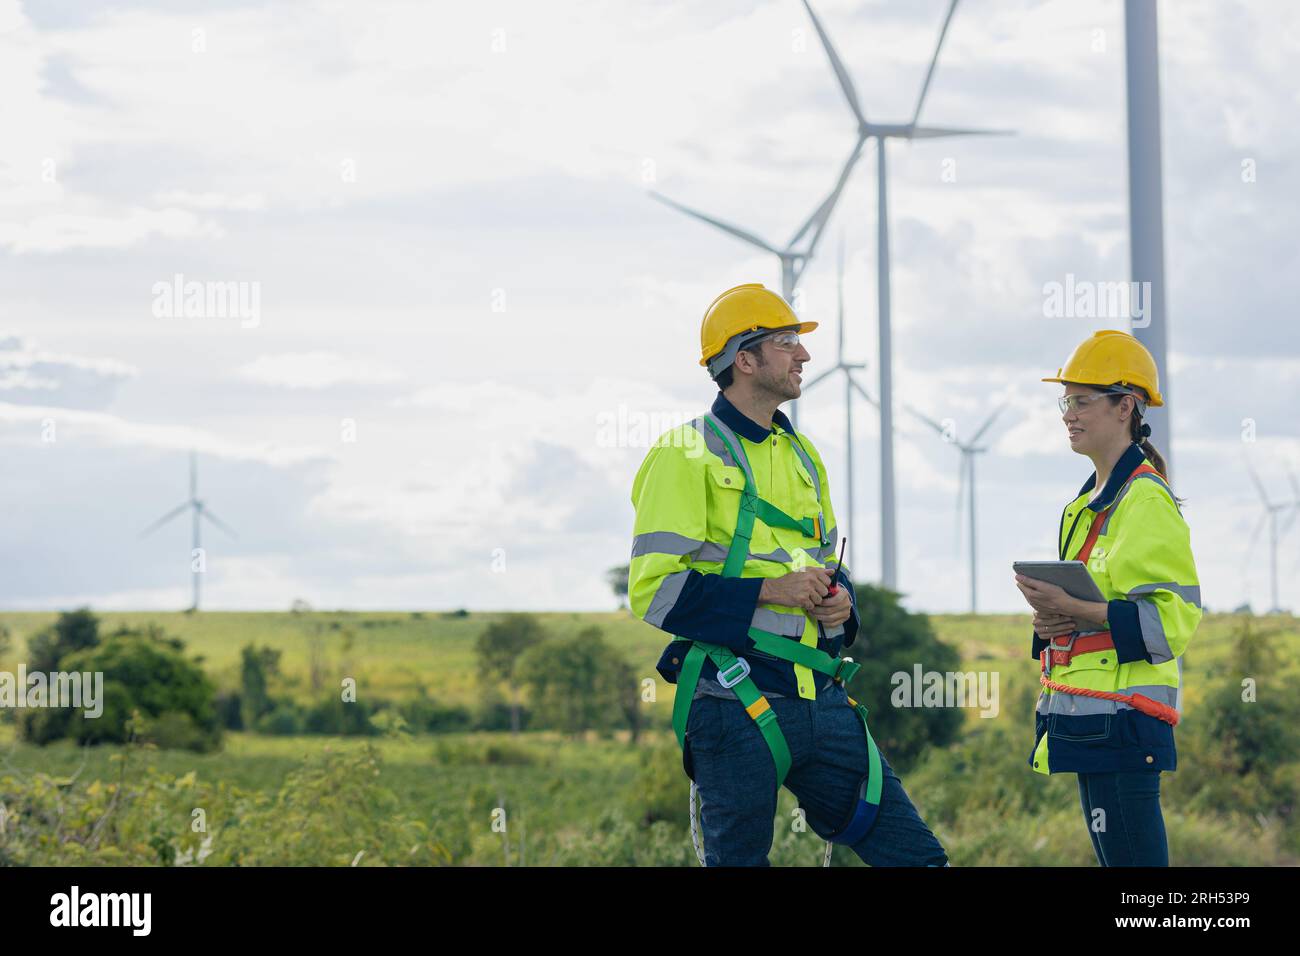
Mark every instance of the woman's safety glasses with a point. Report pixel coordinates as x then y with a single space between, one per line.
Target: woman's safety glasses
1076 403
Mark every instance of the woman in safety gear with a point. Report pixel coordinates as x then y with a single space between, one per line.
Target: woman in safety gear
1112 671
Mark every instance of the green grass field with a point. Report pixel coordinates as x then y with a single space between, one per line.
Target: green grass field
599 800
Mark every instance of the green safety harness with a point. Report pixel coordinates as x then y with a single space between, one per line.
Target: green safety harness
733 671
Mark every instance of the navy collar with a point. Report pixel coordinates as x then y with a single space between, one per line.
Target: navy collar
743 425
1127 464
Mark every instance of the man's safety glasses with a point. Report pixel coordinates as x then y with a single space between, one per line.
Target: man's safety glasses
786 341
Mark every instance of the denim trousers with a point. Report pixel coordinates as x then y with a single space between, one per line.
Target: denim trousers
1129 830
737 782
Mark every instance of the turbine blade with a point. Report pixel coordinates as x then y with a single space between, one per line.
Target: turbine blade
736 231
194 476
1290 520
985 427
925 418
826 374
164 519
1295 502
203 510
1258 485
929 74
1254 537
935 132
837 65
823 213
863 392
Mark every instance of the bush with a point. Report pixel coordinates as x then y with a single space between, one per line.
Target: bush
332 715
332 811
286 719
423 714
143 672
493 713
229 707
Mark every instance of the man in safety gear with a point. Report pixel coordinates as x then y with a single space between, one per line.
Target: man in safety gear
734 530
1112 670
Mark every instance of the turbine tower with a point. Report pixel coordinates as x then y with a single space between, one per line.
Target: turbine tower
198 511
849 384
966 481
882 132
1146 229
794 259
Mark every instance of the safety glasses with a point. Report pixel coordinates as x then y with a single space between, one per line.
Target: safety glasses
1076 403
786 341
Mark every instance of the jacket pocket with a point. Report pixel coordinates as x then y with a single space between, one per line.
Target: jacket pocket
1079 727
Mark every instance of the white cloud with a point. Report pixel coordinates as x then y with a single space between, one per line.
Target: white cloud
61 231
28 424
251 202
315 370
31 374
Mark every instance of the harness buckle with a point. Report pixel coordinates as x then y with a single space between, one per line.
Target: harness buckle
741 665
839 667
1061 653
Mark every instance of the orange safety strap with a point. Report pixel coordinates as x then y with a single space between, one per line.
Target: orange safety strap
1140 702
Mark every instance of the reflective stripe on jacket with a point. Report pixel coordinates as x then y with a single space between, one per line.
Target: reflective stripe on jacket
1142 562
687 497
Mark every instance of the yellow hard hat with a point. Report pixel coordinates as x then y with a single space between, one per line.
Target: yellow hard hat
1112 357
746 308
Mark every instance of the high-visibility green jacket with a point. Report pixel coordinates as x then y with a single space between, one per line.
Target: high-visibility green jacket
687 495
1142 562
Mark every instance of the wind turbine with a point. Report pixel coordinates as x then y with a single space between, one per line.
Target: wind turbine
198 510
849 384
966 483
882 132
794 259
1271 513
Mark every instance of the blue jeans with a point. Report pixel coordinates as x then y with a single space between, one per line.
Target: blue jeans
1130 830
737 782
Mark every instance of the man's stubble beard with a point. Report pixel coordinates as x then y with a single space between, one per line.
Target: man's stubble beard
780 388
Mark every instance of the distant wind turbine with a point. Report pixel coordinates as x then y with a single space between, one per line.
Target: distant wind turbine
966 482
198 510
1272 512
882 132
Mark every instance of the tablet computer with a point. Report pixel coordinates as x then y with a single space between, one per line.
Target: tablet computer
1070 575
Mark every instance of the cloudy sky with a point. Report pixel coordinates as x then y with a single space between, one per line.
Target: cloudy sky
458 319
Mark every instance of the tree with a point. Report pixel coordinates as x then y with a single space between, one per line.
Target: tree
73 631
617 578
579 683
257 667
499 648
891 640
146 675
